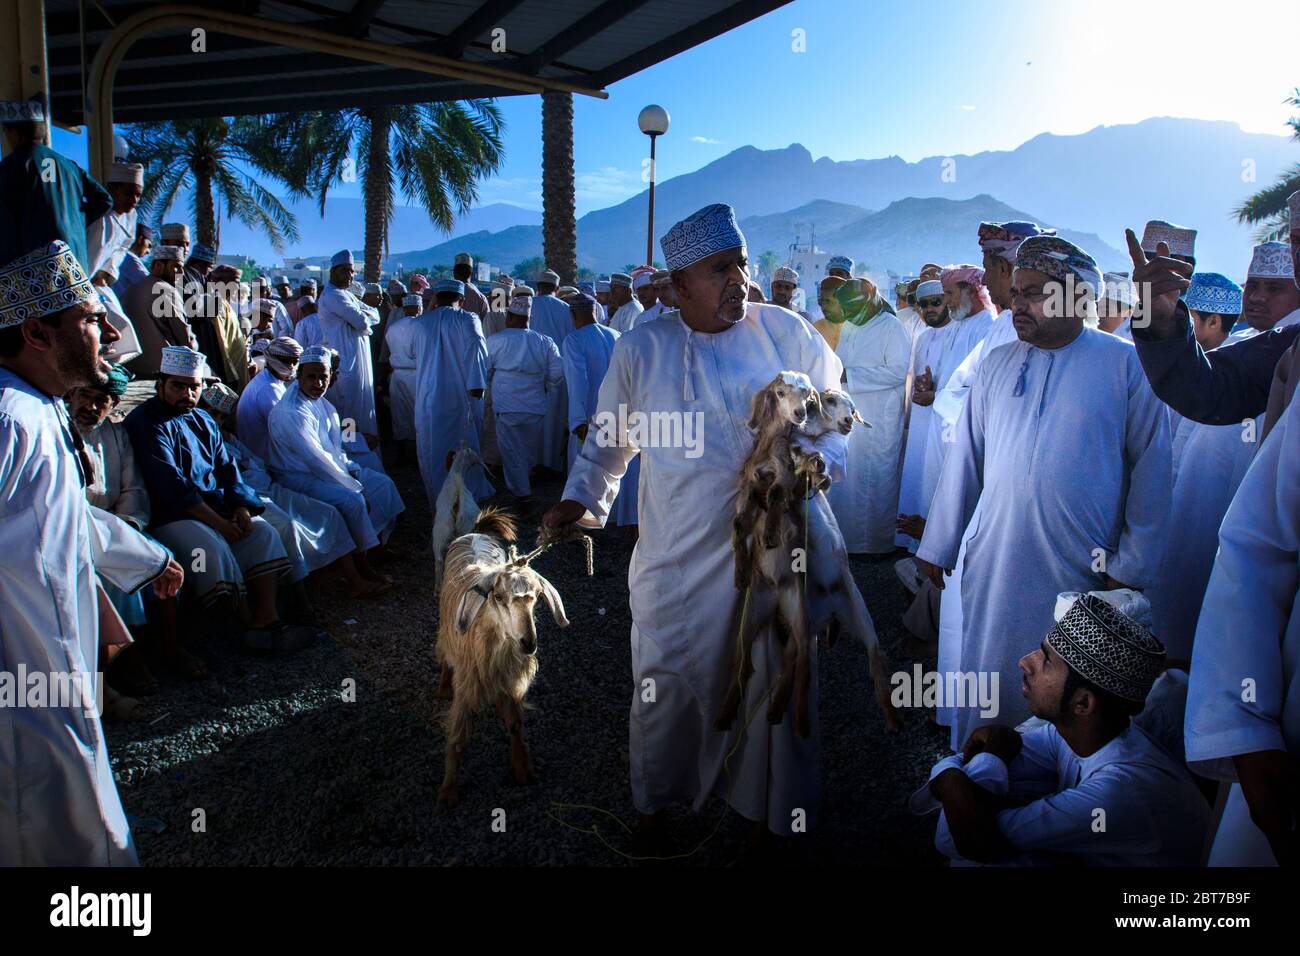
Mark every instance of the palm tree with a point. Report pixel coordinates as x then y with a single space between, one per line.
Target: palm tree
433 153
211 158
1268 206
559 222
767 263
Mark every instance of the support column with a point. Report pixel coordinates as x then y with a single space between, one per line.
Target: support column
559 221
24 73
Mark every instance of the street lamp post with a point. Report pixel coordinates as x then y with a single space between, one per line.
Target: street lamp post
653 122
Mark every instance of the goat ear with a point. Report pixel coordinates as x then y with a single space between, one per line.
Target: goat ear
815 400
552 598
857 417
762 407
472 601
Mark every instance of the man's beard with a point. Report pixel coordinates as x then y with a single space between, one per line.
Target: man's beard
963 311
938 320
77 369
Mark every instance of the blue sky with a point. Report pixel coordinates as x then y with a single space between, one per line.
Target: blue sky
921 78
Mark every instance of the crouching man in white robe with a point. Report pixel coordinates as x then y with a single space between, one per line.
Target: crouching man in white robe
58 803
1066 451
1036 798
307 456
700 368
524 369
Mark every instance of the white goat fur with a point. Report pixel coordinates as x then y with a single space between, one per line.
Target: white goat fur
487 642
456 511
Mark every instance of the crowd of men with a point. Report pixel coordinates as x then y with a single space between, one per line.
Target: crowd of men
1095 474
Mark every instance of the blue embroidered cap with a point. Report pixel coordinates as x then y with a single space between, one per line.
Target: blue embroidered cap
840 262
701 234
1212 292
450 285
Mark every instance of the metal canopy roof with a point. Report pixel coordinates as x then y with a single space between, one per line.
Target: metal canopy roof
587 43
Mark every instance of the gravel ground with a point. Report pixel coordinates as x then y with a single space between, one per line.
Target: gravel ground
286 771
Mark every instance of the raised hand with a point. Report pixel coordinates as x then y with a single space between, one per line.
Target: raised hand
1160 281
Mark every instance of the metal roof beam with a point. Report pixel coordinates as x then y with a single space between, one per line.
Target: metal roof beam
728 19
487 16
603 17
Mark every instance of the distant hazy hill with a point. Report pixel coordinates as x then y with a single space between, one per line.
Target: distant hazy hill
1188 171
898 238
911 231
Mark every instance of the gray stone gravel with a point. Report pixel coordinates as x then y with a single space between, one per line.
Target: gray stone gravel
287 772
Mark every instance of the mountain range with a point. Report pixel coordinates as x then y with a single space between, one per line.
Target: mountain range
1091 184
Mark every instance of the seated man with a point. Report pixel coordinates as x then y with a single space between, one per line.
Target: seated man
203 510
307 456
523 368
266 388
1089 786
313 532
116 486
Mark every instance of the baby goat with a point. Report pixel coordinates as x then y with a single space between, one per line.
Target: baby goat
456 509
487 640
768 526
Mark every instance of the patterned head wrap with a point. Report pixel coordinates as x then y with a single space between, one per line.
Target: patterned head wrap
859 302
282 354
45 281
450 285
419 282
175 233
785 274
1059 258
973 276
701 234
1004 238
1107 646
342 258
840 262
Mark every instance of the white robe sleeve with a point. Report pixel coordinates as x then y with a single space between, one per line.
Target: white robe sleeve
295 429
960 482
356 314
124 557
1141 548
476 359
1248 630
604 457
575 378
554 367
